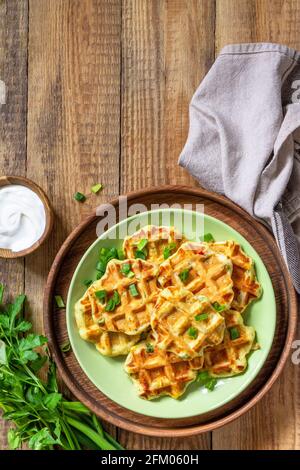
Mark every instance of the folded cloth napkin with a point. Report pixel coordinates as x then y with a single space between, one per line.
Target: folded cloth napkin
244 138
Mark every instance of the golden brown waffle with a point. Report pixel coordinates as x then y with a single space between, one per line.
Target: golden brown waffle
159 240
230 357
107 343
207 273
245 284
160 372
184 323
131 314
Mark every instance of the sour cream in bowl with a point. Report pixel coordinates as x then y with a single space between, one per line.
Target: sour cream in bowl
25 217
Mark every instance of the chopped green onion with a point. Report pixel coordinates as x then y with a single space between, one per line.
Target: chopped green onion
125 268
149 348
79 197
99 275
141 254
96 188
101 266
203 376
234 333
65 347
87 282
121 255
130 274
101 321
192 332
168 250
206 380
184 275
201 316
104 251
116 297
142 244
101 295
133 290
59 301
110 306
208 238
210 385
218 307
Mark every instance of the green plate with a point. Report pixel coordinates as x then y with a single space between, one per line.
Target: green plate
108 374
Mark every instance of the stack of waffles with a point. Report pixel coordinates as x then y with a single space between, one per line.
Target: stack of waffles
175 308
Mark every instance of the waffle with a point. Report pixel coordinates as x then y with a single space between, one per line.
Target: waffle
230 357
160 372
107 343
159 240
131 314
209 273
245 285
184 323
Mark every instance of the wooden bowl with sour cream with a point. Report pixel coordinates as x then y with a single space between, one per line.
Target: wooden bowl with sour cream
45 225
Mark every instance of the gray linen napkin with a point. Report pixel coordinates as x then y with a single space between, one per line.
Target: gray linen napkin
244 138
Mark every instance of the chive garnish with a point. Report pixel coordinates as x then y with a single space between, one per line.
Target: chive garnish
79 197
149 348
168 250
206 380
125 268
101 295
87 282
59 301
141 254
192 332
218 307
208 238
65 347
142 244
133 290
201 316
121 255
184 274
116 297
96 188
234 333
110 306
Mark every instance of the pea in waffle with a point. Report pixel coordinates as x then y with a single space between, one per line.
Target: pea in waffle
107 343
161 242
230 357
245 284
158 372
123 299
197 268
184 323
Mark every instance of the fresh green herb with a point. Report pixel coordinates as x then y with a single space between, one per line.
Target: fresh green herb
208 238
234 333
168 250
66 347
218 307
79 197
96 188
201 316
42 418
105 255
87 282
116 297
141 254
133 290
110 306
149 348
192 332
101 295
184 275
206 380
126 270
59 301
142 244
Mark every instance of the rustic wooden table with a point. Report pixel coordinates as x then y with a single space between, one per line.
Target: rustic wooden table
98 91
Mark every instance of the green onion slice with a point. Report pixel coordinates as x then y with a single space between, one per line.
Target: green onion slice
201 316
133 290
208 238
234 333
79 197
149 348
184 274
59 301
96 188
141 254
218 307
101 295
192 332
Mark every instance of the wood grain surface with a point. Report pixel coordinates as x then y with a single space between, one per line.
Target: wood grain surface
98 91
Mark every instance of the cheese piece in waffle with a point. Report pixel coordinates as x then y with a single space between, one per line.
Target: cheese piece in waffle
153 243
106 342
156 372
245 284
124 297
200 270
184 323
230 357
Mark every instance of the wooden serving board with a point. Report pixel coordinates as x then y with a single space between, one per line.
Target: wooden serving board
55 321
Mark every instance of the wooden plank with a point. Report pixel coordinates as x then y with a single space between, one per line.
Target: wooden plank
73 116
274 422
13 71
167 47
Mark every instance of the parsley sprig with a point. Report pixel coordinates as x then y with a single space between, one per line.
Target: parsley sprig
31 400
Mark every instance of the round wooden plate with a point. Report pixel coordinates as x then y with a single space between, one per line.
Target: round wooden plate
55 321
